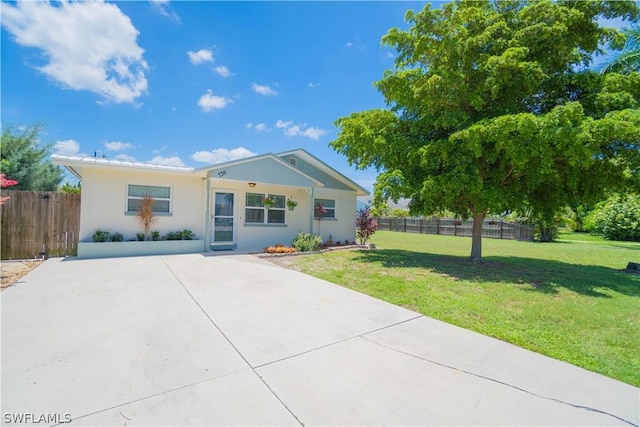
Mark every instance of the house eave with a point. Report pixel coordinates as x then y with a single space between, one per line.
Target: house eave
76 164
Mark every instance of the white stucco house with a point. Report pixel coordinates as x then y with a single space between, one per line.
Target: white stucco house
222 203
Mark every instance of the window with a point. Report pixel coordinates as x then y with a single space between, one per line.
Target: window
161 196
293 161
255 209
330 207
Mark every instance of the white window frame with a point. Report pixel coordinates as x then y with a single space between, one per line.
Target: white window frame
319 200
265 219
159 213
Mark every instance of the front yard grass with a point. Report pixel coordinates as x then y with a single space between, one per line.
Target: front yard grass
569 300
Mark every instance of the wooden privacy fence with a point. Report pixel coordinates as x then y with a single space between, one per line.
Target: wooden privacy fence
492 228
37 224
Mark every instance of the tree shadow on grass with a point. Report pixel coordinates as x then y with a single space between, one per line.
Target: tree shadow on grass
540 275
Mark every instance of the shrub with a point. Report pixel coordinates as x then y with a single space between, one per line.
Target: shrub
140 237
173 235
116 237
618 218
366 225
185 234
155 235
145 215
279 248
100 236
306 242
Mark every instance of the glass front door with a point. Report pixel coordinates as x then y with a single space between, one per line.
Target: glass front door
223 227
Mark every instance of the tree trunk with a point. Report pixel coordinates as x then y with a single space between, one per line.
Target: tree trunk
476 237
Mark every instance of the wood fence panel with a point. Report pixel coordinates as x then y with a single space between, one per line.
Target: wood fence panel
493 229
38 224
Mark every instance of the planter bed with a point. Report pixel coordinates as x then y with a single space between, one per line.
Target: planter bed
137 248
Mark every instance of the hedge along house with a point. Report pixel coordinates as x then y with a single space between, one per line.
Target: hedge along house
223 204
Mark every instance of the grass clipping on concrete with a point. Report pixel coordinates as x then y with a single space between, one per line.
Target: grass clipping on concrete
569 300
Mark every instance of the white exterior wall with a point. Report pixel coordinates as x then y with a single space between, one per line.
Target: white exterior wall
255 237
344 226
104 202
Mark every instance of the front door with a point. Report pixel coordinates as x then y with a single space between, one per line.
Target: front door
223 227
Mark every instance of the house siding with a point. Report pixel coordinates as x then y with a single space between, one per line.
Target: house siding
343 227
251 237
266 170
104 203
317 174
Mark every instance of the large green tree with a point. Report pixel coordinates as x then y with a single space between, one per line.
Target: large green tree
489 110
25 159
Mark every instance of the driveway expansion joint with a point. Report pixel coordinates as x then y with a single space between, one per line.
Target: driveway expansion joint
336 342
231 343
484 377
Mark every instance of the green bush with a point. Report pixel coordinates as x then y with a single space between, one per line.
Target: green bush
617 219
116 237
155 235
185 234
140 237
306 242
173 235
100 236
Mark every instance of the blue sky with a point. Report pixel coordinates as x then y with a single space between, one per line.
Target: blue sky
194 83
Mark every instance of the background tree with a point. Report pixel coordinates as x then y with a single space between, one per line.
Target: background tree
488 113
71 188
25 158
629 59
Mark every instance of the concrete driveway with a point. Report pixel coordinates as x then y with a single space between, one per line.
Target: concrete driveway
235 340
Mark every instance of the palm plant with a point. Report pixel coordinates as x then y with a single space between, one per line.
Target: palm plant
146 218
628 60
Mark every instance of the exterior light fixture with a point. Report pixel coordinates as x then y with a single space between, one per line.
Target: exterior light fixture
252 184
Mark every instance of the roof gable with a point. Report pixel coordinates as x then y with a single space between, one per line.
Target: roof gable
266 169
321 171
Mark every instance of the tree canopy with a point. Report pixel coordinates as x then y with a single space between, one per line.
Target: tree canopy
25 158
491 107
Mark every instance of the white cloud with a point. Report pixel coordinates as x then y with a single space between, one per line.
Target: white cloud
69 147
203 55
312 85
161 149
162 7
261 127
117 146
349 44
126 158
297 130
167 161
223 71
292 131
209 101
86 45
313 133
283 125
249 125
220 155
263 90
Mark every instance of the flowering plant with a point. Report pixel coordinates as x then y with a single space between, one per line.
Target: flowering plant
4 182
267 202
319 211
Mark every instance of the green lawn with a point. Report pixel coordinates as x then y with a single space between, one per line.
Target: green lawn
568 300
